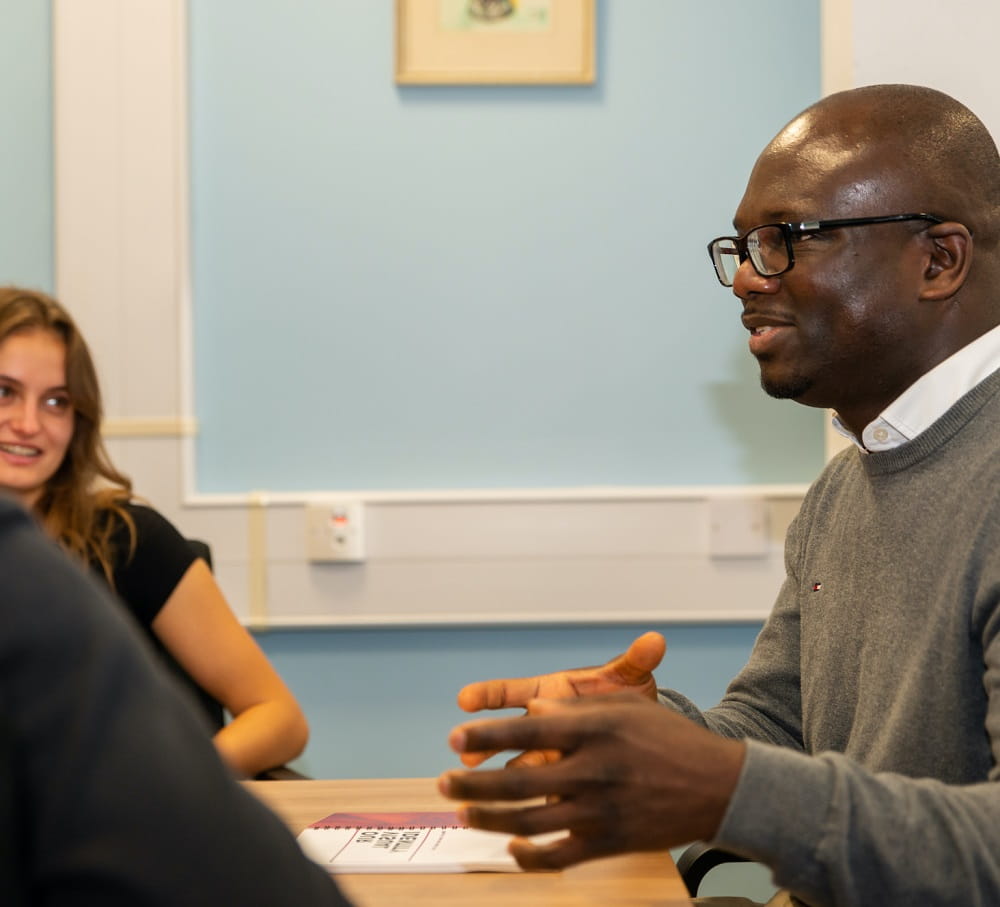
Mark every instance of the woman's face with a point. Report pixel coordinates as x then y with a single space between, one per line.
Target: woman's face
36 413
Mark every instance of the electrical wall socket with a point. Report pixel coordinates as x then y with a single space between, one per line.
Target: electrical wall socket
737 527
335 532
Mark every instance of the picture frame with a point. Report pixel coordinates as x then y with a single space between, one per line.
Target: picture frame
495 42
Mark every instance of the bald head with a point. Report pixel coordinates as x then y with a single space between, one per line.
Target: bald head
864 309
926 151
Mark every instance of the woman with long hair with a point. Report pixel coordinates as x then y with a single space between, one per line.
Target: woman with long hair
52 459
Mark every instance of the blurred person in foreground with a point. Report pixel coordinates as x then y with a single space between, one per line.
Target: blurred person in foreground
111 793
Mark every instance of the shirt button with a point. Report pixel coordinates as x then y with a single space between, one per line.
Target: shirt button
881 435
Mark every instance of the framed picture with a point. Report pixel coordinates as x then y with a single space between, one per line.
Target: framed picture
462 42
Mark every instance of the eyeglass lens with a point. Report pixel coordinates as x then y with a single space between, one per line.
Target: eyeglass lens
726 258
765 246
767 250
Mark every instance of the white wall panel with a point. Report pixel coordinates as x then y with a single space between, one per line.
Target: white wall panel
951 47
120 193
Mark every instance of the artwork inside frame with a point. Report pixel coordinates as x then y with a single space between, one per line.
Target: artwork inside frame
466 42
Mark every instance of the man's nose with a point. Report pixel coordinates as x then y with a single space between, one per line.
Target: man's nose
747 281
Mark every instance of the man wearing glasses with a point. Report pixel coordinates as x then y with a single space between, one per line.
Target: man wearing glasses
856 753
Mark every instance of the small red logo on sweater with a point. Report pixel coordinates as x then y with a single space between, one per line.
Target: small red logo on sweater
816 587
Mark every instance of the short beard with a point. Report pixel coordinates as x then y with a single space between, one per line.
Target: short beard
791 388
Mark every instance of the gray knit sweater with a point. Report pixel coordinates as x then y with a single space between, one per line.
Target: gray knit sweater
872 697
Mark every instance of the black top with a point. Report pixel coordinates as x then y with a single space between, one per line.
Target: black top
162 556
110 792
146 579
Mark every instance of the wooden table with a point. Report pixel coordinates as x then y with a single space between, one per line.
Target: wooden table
637 880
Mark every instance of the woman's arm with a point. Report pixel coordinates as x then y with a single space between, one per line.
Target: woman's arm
201 632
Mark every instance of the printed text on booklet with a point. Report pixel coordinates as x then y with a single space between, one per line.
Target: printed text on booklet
405 842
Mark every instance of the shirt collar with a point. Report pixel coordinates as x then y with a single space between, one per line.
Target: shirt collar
930 396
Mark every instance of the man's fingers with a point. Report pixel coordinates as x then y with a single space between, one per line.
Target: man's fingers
641 658
634 668
508 783
551 727
498 694
533 758
522 760
558 854
553 731
474 759
543 818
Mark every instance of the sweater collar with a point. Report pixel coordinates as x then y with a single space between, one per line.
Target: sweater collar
930 396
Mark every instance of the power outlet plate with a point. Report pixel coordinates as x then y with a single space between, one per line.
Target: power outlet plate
335 532
737 527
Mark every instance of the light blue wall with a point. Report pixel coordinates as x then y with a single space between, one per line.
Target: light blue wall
479 286
26 149
381 702
440 287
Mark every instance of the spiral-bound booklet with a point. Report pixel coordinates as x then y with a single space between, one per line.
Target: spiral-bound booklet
405 842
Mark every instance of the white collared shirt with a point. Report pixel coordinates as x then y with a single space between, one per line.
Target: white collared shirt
930 396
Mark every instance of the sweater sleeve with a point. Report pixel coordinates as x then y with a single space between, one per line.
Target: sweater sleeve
764 701
835 833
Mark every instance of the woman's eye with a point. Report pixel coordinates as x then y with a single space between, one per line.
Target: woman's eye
5 392
57 404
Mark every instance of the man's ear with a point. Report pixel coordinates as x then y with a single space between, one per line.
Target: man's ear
950 256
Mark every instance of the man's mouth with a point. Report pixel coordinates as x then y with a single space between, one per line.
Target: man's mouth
765 338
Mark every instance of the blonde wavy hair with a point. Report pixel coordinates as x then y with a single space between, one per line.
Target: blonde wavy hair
78 504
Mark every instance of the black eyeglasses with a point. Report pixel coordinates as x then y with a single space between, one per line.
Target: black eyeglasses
770 246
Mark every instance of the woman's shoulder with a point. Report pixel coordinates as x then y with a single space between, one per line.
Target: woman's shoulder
144 530
145 516
150 557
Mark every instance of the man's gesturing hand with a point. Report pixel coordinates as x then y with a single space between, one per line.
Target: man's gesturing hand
630 671
633 775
